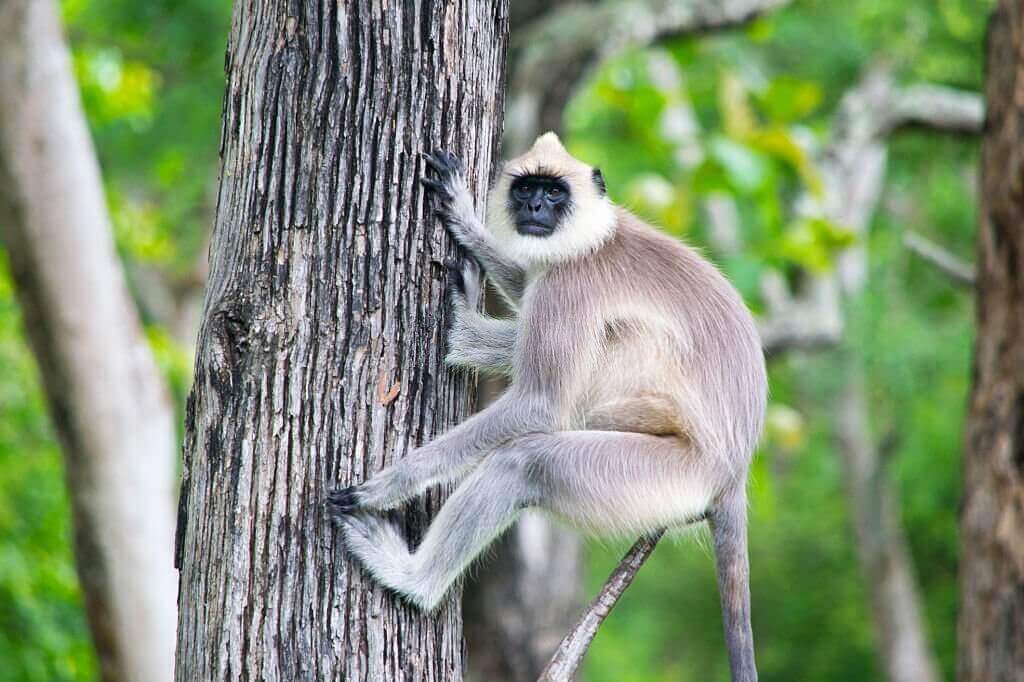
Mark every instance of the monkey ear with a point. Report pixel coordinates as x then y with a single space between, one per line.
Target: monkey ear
602 189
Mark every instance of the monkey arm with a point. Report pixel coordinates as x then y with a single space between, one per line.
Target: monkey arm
560 341
454 205
476 341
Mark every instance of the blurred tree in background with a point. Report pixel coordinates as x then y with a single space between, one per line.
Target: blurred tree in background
738 116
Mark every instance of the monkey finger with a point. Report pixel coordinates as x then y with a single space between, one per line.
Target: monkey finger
438 162
455 275
433 185
445 163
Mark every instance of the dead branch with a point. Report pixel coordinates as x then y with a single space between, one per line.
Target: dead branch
961 272
574 646
552 55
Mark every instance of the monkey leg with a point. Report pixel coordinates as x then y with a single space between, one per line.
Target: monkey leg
481 508
630 482
621 483
449 457
728 521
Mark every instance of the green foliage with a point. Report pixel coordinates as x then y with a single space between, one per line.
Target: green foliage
43 635
738 115
151 80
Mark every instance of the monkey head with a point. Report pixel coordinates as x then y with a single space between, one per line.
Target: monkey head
547 206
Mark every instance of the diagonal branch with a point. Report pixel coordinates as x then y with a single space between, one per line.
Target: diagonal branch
956 269
574 646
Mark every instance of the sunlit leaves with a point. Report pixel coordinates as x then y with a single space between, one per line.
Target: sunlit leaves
138 229
814 242
788 99
785 428
42 625
114 88
744 168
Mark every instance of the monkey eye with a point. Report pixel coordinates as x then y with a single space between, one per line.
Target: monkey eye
555 193
522 192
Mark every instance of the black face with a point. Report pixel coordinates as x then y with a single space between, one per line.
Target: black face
538 204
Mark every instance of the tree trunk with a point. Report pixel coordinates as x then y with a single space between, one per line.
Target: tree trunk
523 601
881 543
853 168
107 400
991 626
320 357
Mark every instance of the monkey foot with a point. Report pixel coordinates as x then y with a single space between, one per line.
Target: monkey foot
343 501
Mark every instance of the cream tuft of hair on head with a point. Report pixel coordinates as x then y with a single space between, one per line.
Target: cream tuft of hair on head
589 225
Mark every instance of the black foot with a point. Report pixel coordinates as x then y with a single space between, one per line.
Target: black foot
342 501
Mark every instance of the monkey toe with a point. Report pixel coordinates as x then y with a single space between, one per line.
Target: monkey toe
343 501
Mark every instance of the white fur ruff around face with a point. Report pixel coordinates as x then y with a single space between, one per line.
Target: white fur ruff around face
590 223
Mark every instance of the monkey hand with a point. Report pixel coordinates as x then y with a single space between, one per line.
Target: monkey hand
463 283
452 201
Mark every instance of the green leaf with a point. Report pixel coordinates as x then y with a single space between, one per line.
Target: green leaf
789 99
746 169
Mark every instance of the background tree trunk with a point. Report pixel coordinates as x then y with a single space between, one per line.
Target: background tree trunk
107 400
320 356
523 601
991 626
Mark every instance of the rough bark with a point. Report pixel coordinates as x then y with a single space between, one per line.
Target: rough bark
107 400
320 354
991 622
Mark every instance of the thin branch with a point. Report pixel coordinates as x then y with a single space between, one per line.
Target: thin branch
961 272
938 108
853 165
574 646
552 54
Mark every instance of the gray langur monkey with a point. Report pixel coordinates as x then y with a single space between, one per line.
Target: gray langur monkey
637 393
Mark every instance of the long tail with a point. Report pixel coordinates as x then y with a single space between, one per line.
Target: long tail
728 521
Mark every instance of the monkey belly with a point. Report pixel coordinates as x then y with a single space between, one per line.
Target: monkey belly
635 387
656 415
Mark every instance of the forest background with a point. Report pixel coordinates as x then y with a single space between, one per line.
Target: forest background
715 138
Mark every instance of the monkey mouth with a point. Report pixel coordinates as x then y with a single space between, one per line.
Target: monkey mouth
534 229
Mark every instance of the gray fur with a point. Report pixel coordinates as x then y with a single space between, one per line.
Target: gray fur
477 341
637 398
